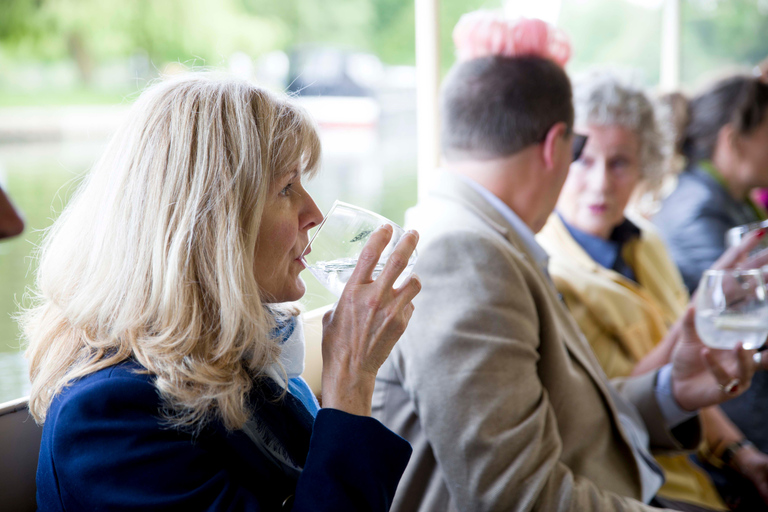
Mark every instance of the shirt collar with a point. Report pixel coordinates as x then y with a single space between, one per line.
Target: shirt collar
525 233
606 253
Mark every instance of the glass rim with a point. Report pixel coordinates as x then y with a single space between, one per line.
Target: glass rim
750 226
337 204
733 271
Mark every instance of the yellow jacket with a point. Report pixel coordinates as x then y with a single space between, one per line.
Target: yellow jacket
623 321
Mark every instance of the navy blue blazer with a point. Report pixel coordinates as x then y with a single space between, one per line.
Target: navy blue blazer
105 447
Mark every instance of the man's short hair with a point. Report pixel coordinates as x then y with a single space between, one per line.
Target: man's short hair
493 107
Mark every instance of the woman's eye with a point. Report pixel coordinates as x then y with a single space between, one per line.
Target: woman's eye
286 190
620 164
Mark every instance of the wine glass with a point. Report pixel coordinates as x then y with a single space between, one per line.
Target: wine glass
732 308
734 236
335 247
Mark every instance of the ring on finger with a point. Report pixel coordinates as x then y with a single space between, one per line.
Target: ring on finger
730 388
757 357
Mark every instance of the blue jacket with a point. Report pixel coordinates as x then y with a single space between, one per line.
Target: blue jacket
105 447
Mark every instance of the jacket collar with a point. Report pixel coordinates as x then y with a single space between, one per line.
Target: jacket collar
454 189
494 213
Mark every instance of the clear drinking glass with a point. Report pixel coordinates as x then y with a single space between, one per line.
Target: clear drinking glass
335 247
732 308
734 236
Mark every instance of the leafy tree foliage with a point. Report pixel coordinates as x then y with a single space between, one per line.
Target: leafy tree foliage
205 32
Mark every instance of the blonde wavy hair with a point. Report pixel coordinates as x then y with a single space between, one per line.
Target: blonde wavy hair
153 258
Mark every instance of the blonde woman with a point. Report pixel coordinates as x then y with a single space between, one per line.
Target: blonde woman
164 369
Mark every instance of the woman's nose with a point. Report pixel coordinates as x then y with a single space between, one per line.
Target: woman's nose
599 179
312 215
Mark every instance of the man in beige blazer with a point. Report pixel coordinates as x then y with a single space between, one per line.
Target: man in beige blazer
493 384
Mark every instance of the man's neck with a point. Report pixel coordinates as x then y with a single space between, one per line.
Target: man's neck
512 179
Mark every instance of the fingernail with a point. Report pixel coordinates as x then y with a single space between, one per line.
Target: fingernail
761 233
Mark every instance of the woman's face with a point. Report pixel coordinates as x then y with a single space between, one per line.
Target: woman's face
601 181
289 213
754 149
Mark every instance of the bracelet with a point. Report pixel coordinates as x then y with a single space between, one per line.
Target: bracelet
730 451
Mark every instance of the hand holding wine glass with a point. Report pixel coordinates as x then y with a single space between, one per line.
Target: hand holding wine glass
701 376
371 315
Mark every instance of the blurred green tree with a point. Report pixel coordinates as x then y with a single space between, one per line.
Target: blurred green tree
205 32
721 35
92 31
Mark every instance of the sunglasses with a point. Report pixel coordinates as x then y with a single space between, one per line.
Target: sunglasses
577 145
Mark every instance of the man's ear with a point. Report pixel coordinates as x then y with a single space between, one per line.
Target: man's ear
553 143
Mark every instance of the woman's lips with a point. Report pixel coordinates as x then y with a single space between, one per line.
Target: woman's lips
598 209
300 259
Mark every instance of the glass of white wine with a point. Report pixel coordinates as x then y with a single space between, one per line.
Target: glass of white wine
335 246
732 308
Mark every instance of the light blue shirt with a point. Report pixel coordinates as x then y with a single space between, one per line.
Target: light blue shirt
651 475
540 256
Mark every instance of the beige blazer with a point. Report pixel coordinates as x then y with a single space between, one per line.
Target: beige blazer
623 320
494 386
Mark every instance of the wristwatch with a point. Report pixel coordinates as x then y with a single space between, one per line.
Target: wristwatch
730 451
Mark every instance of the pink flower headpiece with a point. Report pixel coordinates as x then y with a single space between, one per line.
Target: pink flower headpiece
487 33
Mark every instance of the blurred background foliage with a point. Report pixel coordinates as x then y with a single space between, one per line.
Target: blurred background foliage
93 33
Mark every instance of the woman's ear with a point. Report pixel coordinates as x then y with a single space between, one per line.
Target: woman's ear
728 138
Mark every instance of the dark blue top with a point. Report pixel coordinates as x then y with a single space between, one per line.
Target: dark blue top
105 447
607 253
693 221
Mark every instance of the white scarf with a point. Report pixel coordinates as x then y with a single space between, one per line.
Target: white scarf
292 353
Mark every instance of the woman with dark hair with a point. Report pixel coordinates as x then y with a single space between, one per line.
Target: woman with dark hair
726 144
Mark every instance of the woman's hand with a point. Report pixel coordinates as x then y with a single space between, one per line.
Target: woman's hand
360 332
753 464
702 377
737 257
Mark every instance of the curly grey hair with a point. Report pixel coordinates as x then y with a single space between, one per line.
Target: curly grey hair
606 97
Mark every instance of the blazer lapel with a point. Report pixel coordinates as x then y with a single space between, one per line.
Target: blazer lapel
284 419
456 190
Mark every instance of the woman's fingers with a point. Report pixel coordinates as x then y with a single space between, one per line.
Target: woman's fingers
747 365
739 253
760 359
370 255
398 260
409 289
736 381
725 380
759 260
